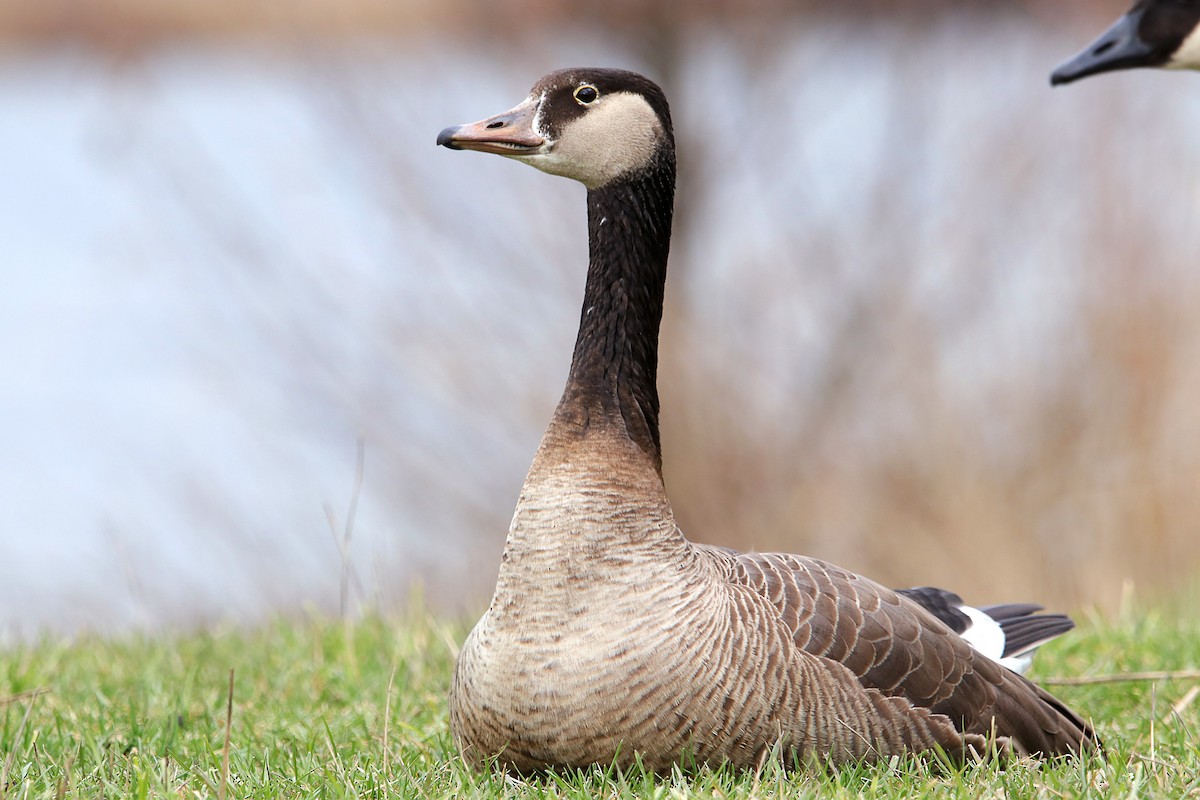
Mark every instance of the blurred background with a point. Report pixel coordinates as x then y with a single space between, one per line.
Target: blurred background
266 349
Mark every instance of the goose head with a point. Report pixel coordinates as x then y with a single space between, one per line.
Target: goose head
1154 33
592 125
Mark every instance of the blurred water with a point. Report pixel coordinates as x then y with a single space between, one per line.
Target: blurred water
220 267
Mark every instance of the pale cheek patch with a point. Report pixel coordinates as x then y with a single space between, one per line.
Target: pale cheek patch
1188 54
618 136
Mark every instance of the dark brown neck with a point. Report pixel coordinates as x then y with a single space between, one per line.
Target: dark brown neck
615 364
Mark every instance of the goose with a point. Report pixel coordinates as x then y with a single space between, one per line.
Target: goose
1154 33
613 639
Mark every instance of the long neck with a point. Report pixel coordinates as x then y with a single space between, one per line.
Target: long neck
615 364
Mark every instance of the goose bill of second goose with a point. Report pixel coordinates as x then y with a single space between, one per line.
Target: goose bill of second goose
1154 33
510 133
1119 47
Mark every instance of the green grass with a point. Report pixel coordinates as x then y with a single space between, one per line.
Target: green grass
312 717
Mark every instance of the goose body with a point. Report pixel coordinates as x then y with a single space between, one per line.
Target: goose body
609 633
1153 33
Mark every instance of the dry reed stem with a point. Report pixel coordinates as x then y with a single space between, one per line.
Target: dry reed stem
343 541
1153 719
1184 702
225 751
1123 677
17 698
387 718
65 781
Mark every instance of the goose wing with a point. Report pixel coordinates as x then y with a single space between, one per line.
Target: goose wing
894 645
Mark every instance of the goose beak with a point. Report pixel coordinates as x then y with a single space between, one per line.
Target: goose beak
509 134
1119 47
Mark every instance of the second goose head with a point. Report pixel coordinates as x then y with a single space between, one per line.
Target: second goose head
1154 33
593 125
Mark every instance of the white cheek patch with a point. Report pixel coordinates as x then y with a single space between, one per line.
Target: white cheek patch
1188 54
620 134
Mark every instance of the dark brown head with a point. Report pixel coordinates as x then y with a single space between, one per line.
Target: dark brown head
590 124
1154 33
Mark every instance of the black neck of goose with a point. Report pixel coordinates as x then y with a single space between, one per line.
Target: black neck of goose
615 364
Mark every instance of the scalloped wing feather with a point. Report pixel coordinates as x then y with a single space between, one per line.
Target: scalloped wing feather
893 645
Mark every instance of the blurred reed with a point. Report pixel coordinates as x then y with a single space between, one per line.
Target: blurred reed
927 318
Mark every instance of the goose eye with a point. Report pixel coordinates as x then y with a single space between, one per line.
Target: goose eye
586 94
